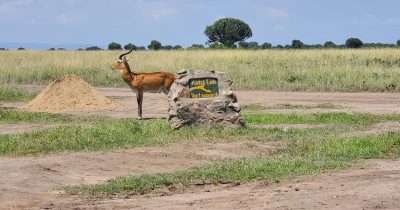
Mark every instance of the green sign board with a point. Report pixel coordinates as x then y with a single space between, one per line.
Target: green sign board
203 88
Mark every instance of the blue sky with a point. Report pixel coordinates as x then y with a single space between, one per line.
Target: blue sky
100 22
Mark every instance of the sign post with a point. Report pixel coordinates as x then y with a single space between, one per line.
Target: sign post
203 98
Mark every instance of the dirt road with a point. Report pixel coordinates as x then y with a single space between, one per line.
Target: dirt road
35 182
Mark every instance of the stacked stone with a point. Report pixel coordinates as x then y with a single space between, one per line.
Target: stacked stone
184 109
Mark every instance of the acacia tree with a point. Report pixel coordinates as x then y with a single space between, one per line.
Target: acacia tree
398 43
354 43
227 31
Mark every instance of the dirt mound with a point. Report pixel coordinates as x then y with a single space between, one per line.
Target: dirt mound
70 94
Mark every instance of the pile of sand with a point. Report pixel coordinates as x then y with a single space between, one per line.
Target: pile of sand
70 94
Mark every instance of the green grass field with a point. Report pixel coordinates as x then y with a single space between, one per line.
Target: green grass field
308 150
375 70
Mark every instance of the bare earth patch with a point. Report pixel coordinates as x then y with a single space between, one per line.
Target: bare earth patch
30 182
373 187
36 182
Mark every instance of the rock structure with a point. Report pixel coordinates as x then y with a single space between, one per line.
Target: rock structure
203 98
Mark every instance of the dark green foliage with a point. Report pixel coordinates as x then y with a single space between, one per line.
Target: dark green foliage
130 46
177 47
167 47
329 44
297 44
154 45
196 46
114 46
93 48
398 43
266 45
253 45
21 48
228 31
243 44
221 46
354 43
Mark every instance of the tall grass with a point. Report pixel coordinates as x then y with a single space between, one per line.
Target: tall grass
9 94
290 70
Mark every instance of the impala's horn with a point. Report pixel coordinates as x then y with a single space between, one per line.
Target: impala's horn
120 57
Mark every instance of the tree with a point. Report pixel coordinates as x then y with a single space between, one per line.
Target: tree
167 47
297 44
114 46
398 43
243 45
329 44
227 31
21 48
130 46
154 45
354 43
266 45
93 48
177 47
196 46
253 45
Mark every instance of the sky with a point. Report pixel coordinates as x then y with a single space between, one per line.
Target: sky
172 22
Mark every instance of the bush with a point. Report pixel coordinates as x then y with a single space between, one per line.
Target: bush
196 46
329 44
243 45
266 45
114 46
93 48
354 43
154 45
130 46
177 47
297 44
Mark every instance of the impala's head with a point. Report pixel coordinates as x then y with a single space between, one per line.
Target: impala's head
121 62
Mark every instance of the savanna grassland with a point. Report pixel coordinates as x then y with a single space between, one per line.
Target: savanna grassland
101 158
343 70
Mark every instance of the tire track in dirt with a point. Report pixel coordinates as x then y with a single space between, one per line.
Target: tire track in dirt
28 182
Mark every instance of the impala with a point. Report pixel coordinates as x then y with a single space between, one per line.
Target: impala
154 82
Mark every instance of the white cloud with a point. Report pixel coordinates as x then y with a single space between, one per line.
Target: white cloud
367 20
276 12
63 19
14 5
392 21
156 9
66 19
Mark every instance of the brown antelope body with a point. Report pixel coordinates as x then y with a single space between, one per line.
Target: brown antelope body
154 82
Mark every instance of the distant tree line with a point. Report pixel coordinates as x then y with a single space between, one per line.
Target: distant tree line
231 33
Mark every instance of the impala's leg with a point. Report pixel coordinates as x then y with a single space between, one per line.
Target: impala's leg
165 91
140 103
